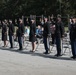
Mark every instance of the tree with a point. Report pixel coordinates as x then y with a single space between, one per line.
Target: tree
17 8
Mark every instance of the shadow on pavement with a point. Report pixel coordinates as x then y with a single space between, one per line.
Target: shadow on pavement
37 54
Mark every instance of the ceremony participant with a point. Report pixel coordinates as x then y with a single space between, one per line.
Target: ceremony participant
32 35
11 33
4 33
20 34
73 37
59 34
46 35
52 28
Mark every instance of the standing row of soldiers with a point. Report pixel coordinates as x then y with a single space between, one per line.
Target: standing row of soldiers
11 32
58 34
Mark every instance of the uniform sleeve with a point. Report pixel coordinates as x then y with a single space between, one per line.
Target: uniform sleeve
23 29
62 29
13 28
48 28
5 28
35 29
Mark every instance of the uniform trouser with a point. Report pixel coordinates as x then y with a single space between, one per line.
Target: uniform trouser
20 41
73 46
53 38
46 44
11 40
58 45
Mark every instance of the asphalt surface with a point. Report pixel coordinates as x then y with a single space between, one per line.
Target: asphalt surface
14 62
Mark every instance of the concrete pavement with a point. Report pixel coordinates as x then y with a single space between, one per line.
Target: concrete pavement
13 62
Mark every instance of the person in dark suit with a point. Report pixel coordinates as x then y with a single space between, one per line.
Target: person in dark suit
32 35
52 27
73 37
11 33
59 34
4 33
46 35
20 34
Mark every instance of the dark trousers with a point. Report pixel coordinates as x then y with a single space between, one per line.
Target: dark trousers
46 44
20 41
73 46
11 40
53 38
58 45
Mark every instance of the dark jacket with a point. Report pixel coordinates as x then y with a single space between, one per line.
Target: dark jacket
33 29
59 31
73 31
11 29
4 29
4 32
21 30
32 37
46 31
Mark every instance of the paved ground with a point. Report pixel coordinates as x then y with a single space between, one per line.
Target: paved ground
13 62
